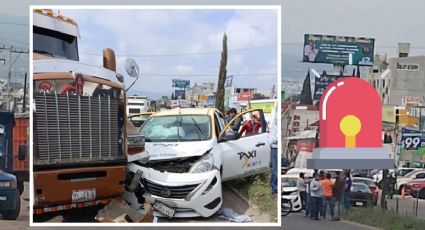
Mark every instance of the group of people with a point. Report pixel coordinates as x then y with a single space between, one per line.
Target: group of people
250 127
320 192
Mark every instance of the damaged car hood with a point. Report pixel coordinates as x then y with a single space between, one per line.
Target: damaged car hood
174 150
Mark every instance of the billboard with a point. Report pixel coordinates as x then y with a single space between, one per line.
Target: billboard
412 139
178 83
245 96
179 94
321 83
210 101
267 106
228 82
337 49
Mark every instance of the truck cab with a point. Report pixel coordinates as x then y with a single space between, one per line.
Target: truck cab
79 120
10 200
188 154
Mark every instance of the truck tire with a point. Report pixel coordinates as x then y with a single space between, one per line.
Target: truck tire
13 214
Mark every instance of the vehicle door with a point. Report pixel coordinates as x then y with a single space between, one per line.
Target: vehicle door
245 153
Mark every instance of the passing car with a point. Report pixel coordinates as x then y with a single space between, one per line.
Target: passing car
416 188
290 191
360 195
372 186
403 180
10 200
308 173
187 154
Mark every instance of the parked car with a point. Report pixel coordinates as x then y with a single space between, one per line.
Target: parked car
365 173
377 176
403 180
372 186
361 195
416 188
290 191
296 171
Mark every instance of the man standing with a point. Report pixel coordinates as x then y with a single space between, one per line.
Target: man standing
308 206
316 197
347 190
272 141
232 114
302 189
337 194
327 195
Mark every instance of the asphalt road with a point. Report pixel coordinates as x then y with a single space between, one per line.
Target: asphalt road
23 220
297 221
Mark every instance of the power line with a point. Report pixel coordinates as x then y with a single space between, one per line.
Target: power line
203 75
181 54
12 40
14 23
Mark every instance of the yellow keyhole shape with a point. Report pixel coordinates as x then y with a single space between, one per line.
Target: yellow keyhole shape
350 126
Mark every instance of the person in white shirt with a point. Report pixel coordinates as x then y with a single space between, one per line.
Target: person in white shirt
302 189
316 197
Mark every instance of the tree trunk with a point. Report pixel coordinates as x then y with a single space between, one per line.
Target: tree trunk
222 77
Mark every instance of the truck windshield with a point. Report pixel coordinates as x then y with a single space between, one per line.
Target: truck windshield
55 44
177 128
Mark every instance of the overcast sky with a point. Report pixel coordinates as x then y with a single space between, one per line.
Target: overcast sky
252 39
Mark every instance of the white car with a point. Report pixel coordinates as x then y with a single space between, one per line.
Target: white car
290 191
308 173
403 180
188 153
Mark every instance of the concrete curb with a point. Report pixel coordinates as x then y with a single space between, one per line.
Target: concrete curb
361 225
242 197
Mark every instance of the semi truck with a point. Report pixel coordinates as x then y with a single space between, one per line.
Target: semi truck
79 122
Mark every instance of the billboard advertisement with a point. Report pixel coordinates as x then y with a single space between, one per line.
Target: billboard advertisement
179 93
178 83
228 82
245 96
210 101
321 83
267 106
337 49
412 139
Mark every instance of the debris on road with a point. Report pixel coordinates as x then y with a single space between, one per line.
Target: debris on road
230 215
116 212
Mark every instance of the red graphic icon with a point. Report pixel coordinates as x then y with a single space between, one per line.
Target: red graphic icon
350 127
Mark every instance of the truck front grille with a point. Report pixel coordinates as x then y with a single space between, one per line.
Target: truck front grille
72 128
176 192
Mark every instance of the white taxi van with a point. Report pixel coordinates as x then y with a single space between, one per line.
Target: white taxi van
188 154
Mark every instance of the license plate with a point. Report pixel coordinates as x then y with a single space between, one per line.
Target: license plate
359 203
3 198
164 209
82 195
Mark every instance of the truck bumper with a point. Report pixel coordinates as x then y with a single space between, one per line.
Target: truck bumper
8 199
204 200
55 187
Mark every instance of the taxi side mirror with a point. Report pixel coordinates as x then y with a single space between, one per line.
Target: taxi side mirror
23 151
229 136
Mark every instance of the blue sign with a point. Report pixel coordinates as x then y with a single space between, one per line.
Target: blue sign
321 83
412 139
178 83
179 94
210 101
229 81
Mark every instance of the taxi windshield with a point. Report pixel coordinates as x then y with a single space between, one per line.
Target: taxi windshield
177 128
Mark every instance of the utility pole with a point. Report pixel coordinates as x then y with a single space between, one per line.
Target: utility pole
222 77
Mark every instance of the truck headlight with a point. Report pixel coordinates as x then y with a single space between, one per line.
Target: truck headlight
205 164
7 184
